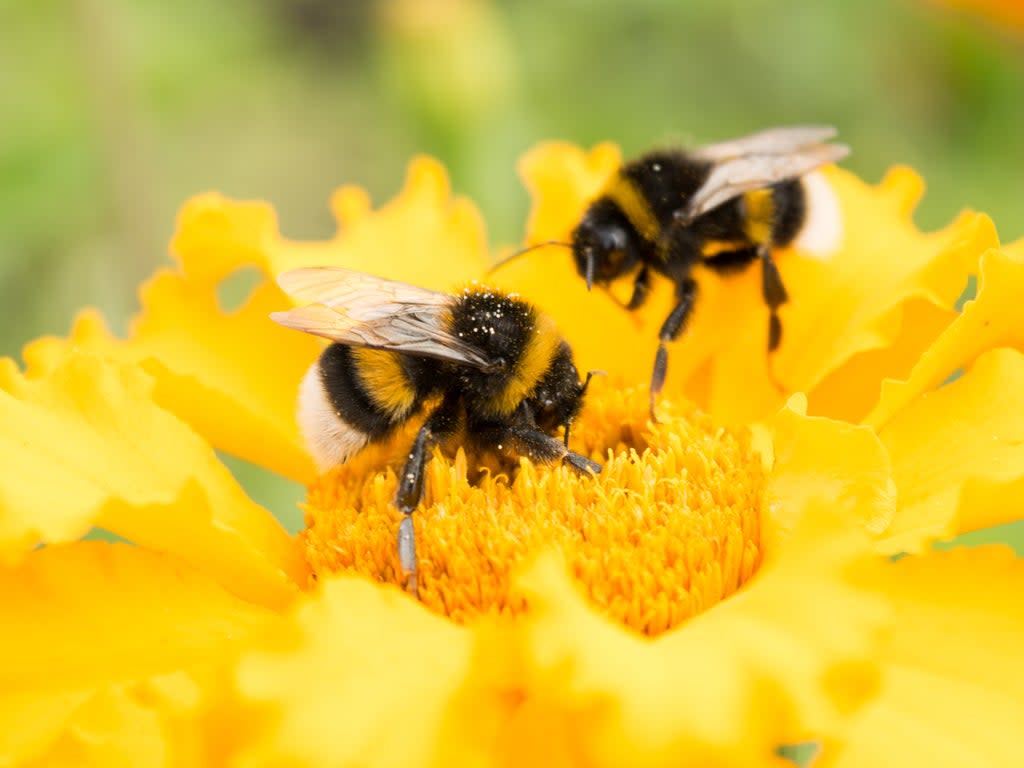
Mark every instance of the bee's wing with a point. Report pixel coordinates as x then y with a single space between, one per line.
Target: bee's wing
361 310
771 141
365 297
746 173
758 161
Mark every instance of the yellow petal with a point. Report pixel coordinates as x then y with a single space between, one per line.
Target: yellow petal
854 317
820 458
562 179
965 437
952 690
767 666
851 302
131 613
407 238
86 446
31 721
425 236
369 677
234 376
101 639
991 320
851 390
122 724
865 311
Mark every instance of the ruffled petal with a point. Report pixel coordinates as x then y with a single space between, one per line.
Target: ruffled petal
132 613
109 727
796 642
234 376
993 319
155 721
768 666
855 313
819 458
853 301
958 453
369 677
86 446
848 313
110 641
562 179
952 691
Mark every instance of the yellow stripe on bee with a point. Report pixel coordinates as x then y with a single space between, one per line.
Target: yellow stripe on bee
759 207
385 381
537 355
625 194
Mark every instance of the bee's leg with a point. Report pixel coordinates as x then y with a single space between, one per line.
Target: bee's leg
686 294
774 293
439 424
772 289
641 288
521 440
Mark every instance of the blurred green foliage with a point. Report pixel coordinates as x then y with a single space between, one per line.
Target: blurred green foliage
114 112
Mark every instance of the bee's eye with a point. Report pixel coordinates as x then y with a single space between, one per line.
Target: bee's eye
613 240
611 263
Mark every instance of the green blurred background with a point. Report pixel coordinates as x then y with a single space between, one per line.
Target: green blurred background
113 112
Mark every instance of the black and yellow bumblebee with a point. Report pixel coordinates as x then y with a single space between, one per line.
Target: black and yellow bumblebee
489 366
723 206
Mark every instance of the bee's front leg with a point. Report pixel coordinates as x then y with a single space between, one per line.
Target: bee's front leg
519 440
641 289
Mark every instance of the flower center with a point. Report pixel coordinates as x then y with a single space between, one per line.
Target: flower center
670 527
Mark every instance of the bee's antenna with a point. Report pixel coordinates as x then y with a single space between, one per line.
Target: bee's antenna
590 375
495 267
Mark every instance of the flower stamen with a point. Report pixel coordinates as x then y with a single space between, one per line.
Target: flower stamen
670 527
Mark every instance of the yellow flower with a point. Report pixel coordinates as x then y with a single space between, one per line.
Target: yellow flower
721 589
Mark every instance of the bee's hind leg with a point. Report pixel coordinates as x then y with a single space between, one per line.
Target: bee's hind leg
774 293
440 424
775 296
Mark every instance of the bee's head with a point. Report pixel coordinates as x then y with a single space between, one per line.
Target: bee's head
558 397
604 244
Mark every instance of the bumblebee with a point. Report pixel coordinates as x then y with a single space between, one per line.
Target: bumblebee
724 206
487 365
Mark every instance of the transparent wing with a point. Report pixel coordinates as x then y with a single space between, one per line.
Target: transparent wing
362 310
363 296
758 161
771 141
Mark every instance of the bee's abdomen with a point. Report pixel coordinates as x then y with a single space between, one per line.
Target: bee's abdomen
352 397
790 206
